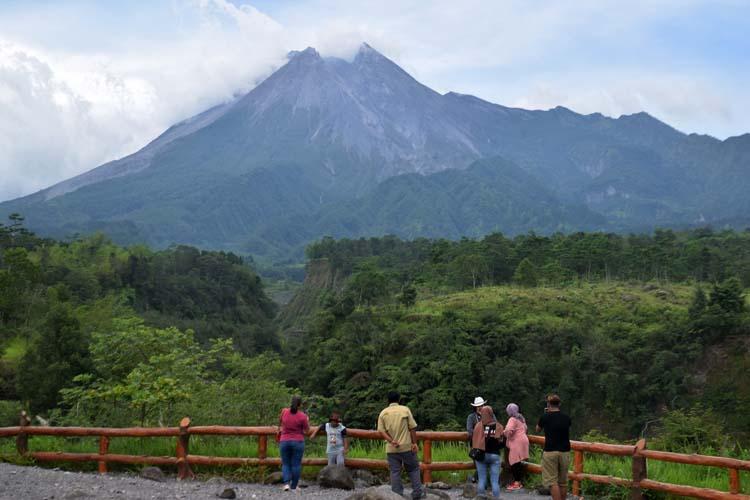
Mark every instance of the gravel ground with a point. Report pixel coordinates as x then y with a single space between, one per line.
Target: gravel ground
34 483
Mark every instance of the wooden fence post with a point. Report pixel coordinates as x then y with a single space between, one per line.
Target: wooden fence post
427 460
577 468
183 448
22 440
640 471
103 450
734 481
262 455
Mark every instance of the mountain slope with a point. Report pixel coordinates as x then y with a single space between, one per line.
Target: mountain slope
325 145
491 195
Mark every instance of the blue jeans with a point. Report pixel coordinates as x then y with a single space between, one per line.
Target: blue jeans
291 461
491 462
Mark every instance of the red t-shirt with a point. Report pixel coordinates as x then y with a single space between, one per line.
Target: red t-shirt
293 425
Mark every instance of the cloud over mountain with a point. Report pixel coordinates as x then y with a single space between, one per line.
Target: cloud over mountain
62 113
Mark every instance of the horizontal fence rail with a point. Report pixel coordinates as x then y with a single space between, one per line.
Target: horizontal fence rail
183 459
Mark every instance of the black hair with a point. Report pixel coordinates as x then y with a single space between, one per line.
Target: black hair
553 400
296 403
394 397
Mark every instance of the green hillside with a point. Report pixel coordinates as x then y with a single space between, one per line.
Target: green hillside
66 307
627 328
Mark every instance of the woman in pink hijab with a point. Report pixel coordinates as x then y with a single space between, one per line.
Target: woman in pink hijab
517 443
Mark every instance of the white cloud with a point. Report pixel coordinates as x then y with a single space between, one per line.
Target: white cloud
591 55
62 114
688 103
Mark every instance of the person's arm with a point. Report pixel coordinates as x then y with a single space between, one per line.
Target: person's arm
315 432
414 442
540 424
278 429
346 440
510 429
412 432
384 434
387 437
470 425
306 426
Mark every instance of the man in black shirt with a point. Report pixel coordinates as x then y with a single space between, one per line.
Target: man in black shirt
556 456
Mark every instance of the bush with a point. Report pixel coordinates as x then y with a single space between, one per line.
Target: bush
694 430
9 413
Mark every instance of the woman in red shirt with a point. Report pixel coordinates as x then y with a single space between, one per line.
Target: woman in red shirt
293 425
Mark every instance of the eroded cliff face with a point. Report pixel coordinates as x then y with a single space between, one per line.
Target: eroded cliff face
320 279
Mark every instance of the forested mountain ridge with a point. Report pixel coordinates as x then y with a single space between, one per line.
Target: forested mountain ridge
360 148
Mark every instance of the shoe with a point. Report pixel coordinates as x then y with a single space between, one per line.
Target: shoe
286 487
514 486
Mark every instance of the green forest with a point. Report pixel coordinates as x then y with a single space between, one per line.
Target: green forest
626 328
639 334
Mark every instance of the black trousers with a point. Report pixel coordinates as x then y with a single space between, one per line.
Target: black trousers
517 471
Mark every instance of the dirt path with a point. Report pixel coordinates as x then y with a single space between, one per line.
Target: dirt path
35 483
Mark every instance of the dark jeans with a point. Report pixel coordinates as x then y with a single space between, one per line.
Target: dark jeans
475 476
291 461
396 463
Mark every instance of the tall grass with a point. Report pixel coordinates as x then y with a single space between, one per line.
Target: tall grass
706 477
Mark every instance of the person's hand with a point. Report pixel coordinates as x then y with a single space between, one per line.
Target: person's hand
414 447
346 450
395 443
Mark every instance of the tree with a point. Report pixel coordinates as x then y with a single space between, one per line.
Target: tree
723 312
698 306
555 274
55 357
469 269
728 296
18 276
525 274
408 296
367 286
692 431
141 373
250 393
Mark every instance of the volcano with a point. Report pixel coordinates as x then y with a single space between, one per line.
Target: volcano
351 148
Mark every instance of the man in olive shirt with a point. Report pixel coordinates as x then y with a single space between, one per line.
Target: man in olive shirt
398 428
556 456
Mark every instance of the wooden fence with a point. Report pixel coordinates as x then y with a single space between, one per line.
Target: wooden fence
183 459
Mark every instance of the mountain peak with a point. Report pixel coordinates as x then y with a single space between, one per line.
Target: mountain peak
309 53
365 47
367 53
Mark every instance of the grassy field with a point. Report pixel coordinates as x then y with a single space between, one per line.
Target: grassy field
709 477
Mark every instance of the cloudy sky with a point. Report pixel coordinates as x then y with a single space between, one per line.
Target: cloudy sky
86 81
